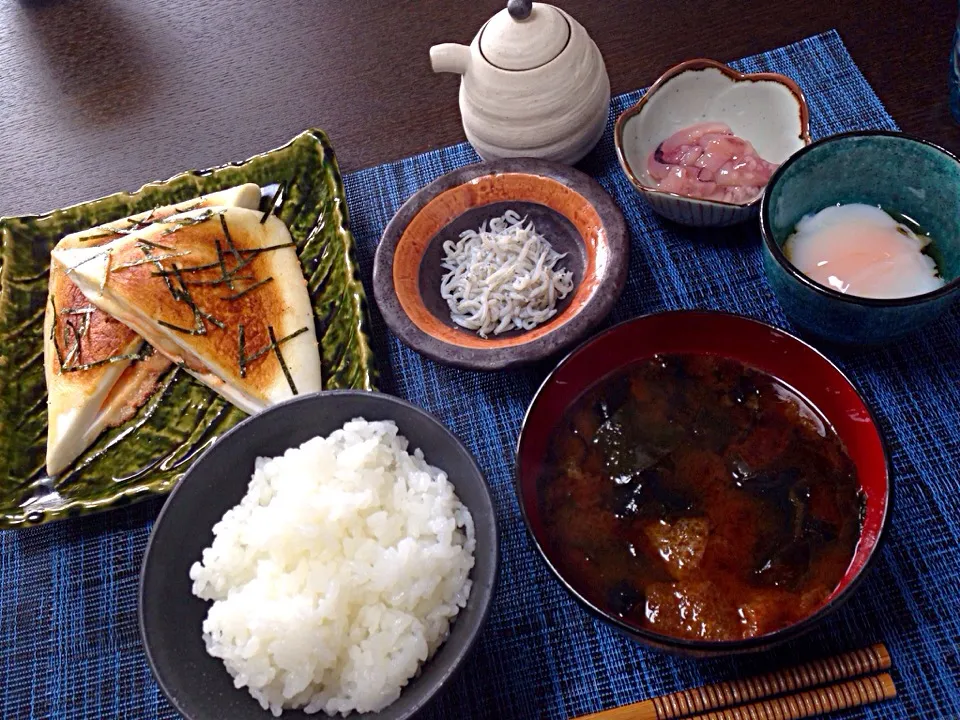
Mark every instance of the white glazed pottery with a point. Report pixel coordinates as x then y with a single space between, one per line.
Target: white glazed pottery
767 109
533 85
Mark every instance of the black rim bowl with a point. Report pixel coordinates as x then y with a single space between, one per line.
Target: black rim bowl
708 648
198 685
781 258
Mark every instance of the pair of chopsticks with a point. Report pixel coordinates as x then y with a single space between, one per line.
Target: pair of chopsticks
808 690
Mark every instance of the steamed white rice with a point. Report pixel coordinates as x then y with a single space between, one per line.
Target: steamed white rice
338 574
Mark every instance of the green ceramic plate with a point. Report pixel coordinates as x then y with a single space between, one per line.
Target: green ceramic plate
149 454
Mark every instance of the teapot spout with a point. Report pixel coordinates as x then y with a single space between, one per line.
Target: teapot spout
450 57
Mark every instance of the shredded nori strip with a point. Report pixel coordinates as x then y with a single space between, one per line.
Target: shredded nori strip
214 320
148 220
166 279
163 272
155 245
151 259
84 324
142 223
237 296
53 332
84 330
245 360
112 359
179 328
223 265
101 233
106 273
263 351
197 204
242 360
133 226
229 239
184 294
188 222
65 365
273 205
218 281
283 364
75 350
252 253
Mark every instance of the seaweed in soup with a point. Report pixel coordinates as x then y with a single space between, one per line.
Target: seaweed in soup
699 498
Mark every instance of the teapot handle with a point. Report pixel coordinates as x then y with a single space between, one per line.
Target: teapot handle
450 57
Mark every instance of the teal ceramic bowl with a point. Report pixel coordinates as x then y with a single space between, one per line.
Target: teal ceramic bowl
895 171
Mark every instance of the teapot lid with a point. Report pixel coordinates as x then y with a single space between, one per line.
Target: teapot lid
524 36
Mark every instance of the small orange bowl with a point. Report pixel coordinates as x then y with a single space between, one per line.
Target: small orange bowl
568 208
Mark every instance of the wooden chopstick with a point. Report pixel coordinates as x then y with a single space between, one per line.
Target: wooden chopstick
812 703
736 692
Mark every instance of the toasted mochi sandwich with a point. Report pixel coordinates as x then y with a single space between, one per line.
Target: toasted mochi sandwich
219 291
98 370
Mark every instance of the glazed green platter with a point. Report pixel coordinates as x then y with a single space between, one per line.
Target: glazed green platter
146 456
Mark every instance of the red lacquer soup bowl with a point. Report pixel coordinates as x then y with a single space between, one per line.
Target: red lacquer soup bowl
753 343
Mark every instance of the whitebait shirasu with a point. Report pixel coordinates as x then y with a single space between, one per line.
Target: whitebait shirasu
503 278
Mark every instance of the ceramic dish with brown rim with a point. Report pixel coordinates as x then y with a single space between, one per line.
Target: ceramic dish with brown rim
568 208
766 109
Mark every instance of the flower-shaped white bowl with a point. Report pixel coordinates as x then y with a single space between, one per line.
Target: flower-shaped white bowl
767 109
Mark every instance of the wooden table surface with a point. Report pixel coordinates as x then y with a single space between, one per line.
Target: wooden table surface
103 95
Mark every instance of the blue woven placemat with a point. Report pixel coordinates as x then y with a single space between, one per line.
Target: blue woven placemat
69 646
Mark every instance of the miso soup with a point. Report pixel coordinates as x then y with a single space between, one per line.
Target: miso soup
700 498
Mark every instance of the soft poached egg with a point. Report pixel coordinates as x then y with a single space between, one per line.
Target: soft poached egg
860 250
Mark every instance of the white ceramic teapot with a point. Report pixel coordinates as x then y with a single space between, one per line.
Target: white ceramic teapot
533 84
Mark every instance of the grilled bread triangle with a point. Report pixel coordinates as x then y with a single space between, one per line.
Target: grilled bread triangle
95 382
219 291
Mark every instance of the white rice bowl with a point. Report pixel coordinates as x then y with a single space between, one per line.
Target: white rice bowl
338 574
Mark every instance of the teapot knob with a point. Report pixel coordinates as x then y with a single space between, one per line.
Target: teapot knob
519 9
